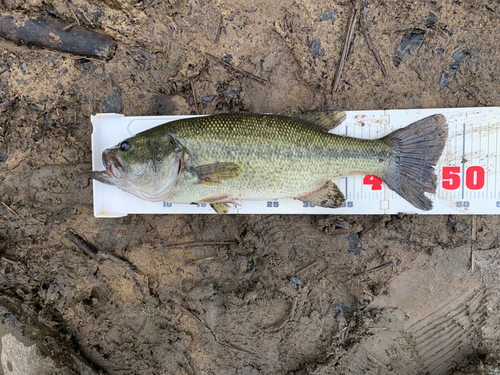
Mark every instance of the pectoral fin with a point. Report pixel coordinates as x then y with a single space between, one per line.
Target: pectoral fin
213 174
328 196
324 121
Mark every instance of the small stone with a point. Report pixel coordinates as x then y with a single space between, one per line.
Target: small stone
315 48
232 92
355 244
341 308
295 282
459 227
326 15
34 107
112 104
3 158
208 97
431 20
341 224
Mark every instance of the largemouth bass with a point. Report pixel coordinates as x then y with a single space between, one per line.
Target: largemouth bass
227 158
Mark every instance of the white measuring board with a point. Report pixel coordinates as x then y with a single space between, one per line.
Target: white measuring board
468 170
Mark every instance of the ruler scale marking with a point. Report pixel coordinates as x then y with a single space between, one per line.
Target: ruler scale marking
463 164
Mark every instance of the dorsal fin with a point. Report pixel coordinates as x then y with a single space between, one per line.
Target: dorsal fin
322 120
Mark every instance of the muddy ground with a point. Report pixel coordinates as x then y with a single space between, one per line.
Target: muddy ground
288 294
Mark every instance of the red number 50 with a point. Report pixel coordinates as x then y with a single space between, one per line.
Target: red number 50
474 178
451 178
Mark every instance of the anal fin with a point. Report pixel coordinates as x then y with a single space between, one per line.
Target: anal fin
220 208
328 196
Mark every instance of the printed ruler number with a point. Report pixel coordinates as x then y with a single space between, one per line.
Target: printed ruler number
451 178
474 178
273 204
375 182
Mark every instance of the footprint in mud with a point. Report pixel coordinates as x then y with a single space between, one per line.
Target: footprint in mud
62 184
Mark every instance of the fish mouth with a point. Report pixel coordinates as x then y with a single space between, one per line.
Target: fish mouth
114 170
113 164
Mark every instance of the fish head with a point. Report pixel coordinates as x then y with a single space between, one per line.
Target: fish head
143 165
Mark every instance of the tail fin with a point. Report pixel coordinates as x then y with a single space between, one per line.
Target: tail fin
416 150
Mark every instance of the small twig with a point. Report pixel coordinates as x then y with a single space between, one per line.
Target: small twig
76 12
472 261
193 244
11 210
306 268
195 368
322 273
382 266
371 227
3 70
244 72
83 245
401 28
350 32
71 25
320 289
364 30
197 261
92 252
4 259
474 227
194 98
218 33
119 261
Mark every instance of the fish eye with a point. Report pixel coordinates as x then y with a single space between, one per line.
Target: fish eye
124 146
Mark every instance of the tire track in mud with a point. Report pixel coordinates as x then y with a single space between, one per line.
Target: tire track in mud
446 336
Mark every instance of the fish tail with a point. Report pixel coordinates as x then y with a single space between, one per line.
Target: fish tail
416 149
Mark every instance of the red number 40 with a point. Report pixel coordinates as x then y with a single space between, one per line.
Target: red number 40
474 178
375 182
